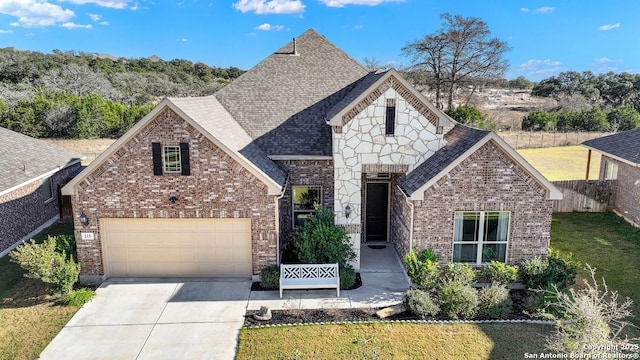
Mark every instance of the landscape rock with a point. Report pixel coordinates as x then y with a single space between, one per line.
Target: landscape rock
390 311
264 314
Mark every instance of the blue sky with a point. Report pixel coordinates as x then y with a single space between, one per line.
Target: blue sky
546 37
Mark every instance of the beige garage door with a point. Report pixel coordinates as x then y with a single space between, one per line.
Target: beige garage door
176 247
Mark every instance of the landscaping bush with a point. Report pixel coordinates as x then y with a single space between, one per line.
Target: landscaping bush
557 269
494 302
270 277
66 244
424 271
79 297
42 261
460 273
420 303
457 301
320 241
347 277
500 273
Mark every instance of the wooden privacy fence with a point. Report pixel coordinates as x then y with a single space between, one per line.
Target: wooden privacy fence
585 195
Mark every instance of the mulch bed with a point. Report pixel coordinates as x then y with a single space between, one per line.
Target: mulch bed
255 286
298 316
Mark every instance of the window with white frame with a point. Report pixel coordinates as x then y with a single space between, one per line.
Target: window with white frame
610 170
171 159
47 189
480 236
305 200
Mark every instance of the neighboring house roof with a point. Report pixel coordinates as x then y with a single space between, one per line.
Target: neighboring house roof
624 146
370 87
24 159
210 118
282 102
462 141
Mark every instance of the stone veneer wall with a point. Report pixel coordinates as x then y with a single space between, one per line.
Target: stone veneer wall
362 141
304 172
124 187
24 210
627 194
488 180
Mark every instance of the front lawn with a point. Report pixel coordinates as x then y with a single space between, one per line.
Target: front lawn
393 341
608 243
29 317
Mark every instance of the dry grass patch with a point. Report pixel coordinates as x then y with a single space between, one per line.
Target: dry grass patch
393 341
563 163
91 148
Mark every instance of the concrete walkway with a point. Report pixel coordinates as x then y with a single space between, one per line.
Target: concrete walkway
201 319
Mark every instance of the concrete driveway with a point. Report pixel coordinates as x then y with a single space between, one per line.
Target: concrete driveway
156 320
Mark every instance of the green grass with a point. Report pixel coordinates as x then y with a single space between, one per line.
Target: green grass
393 341
563 163
608 243
29 317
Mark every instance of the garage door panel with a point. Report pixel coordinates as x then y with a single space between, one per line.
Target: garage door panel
176 247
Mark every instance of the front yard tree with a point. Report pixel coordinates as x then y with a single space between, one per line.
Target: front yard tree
458 53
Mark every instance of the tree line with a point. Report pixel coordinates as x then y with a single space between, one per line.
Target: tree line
80 95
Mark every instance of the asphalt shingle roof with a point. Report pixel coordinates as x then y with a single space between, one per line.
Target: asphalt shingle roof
359 88
625 145
212 116
282 103
458 140
23 158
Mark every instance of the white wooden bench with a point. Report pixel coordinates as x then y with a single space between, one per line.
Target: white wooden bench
309 276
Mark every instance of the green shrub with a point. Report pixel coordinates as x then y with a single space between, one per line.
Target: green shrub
270 277
500 272
347 277
79 297
420 303
424 271
320 241
66 245
457 301
42 261
557 269
460 273
494 302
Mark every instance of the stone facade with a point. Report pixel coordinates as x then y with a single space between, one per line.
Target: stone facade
124 186
24 210
627 192
488 180
304 172
362 143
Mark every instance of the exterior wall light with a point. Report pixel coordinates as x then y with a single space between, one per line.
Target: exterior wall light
84 219
173 199
347 211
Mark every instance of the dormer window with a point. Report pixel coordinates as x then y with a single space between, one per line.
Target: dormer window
390 118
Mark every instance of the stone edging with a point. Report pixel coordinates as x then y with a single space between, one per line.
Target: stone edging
541 322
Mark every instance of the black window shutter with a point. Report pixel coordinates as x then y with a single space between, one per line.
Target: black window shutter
390 125
156 150
184 159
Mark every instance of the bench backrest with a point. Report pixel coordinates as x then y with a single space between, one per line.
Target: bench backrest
309 271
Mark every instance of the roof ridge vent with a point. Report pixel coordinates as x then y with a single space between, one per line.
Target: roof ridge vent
295 49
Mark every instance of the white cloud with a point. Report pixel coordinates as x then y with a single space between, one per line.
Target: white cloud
114 4
268 27
270 6
72 26
6 31
536 68
609 27
342 3
183 39
541 10
95 17
104 23
35 13
604 60
358 27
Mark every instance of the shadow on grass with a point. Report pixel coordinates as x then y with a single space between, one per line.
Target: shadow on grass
513 341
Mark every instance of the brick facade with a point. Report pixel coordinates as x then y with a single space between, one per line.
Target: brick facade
627 193
487 180
304 172
24 210
124 186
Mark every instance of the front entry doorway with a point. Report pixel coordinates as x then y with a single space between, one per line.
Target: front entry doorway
377 211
